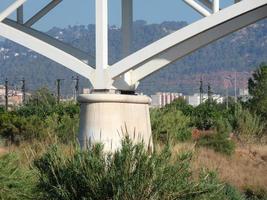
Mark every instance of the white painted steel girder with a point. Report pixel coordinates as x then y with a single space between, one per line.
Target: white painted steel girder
126 73
11 9
188 39
46 50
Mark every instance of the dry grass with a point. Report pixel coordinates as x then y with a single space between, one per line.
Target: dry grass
3 150
246 168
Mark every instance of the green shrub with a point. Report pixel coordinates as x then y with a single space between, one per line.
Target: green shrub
16 129
11 127
255 194
180 104
64 127
170 124
2 109
249 125
219 142
15 182
232 193
130 173
206 115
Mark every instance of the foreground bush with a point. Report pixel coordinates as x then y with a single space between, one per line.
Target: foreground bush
15 182
128 174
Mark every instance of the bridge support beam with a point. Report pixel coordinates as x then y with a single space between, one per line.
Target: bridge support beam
101 33
126 27
108 118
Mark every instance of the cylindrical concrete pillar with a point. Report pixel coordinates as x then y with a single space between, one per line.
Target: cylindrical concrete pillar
108 118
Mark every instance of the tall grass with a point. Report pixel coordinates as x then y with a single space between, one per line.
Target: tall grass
249 126
15 181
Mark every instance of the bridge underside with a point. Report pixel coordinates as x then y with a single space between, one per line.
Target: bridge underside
126 73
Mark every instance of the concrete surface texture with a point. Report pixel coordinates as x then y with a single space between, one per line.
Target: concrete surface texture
108 118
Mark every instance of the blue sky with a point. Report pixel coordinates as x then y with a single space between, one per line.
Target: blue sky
76 12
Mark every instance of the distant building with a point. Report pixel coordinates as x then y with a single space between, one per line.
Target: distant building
243 92
2 90
244 95
194 100
15 97
162 99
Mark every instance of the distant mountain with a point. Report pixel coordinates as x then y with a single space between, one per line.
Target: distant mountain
242 51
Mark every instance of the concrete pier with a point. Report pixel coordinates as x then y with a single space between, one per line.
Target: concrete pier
108 118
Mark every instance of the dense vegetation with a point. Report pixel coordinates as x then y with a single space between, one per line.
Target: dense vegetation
55 168
41 118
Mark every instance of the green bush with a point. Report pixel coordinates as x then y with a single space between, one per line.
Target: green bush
16 183
12 127
170 124
130 173
232 193
249 125
206 115
2 109
219 142
180 104
16 128
64 127
255 194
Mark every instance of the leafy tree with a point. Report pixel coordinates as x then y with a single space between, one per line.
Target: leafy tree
257 89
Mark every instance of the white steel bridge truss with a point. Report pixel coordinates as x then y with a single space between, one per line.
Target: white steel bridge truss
126 73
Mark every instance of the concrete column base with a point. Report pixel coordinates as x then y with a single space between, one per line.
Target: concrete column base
108 118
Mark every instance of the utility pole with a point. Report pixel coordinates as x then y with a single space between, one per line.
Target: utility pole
23 90
235 87
76 88
6 94
209 93
227 98
58 90
201 91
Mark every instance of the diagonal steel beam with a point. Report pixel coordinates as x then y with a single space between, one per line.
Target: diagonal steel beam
11 9
47 50
156 51
81 55
42 12
196 42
